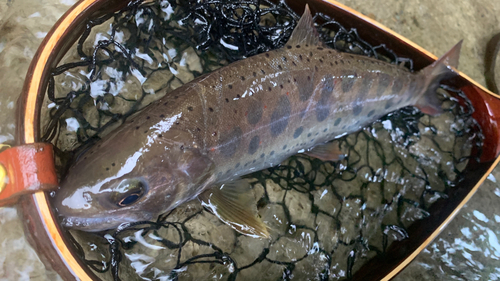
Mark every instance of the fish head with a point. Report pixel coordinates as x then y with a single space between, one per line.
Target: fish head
128 179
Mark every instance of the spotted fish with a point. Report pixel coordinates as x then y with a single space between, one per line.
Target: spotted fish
199 140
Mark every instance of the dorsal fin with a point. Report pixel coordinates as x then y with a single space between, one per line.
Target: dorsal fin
305 33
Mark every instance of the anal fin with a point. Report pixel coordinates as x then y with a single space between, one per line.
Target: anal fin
234 204
327 152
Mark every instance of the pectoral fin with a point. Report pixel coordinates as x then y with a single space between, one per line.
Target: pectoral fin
235 205
327 152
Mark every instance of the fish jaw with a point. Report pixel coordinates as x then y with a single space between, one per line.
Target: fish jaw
97 224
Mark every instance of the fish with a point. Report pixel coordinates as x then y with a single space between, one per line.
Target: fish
199 140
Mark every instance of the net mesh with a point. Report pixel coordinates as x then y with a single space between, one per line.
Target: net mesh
325 218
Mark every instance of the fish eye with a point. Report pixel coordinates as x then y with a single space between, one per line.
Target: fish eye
128 192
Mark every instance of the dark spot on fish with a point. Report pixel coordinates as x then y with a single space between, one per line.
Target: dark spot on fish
371 113
320 60
298 46
262 155
288 46
298 132
325 130
293 62
137 128
300 57
331 64
107 169
280 116
254 145
148 117
210 109
272 153
113 164
383 82
388 104
279 67
283 58
284 147
246 164
263 72
281 86
319 48
230 141
323 107
235 111
342 61
238 96
177 123
242 78
227 172
356 110
214 134
254 160
310 54
267 55
182 147
348 82
197 129
162 116
160 136
254 74
316 68
176 97
145 131
269 89
397 87
227 100
190 108
305 86
230 86
309 135
336 63
237 165
308 60
255 110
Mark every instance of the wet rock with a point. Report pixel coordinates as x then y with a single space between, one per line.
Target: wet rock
207 227
292 247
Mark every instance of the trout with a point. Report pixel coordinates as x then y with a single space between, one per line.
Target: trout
200 139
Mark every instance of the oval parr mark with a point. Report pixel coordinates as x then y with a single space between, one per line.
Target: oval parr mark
305 85
323 107
254 145
230 141
337 122
370 114
356 110
255 110
280 116
298 132
388 104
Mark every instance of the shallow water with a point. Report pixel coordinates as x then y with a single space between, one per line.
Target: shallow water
453 256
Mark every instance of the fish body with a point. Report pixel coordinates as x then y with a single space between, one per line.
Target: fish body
245 117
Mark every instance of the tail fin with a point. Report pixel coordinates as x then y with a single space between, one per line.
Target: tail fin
428 103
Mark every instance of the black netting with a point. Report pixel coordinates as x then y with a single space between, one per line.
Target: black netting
326 218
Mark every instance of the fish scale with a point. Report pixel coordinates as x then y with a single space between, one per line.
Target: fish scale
198 140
